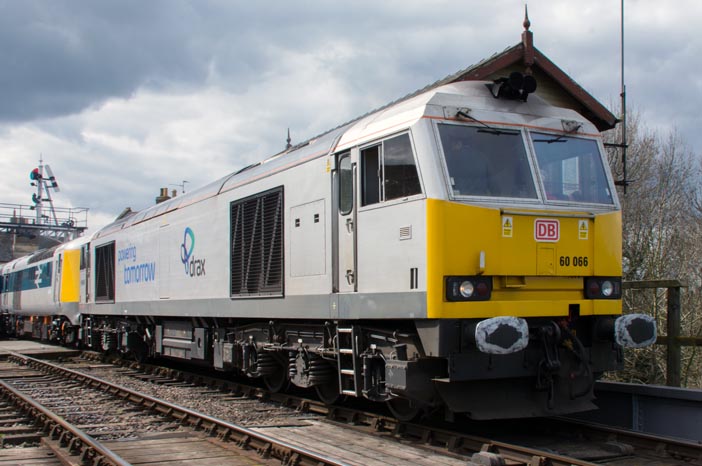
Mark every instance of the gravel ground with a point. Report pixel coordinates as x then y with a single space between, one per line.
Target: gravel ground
98 414
238 410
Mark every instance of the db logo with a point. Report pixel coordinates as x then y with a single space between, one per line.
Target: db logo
547 230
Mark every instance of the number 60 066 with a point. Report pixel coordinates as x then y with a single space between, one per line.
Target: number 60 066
575 261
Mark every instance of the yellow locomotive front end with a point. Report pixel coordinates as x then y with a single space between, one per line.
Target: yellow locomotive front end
524 265
521 262
532 226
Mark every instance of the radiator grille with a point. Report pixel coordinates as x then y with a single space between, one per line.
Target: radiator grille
257 245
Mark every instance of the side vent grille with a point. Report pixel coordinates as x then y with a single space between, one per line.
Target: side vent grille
406 232
257 245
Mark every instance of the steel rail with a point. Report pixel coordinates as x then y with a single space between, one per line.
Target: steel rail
454 442
244 438
70 437
444 440
676 447
484 450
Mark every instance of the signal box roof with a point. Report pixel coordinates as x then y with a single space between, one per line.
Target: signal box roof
554 85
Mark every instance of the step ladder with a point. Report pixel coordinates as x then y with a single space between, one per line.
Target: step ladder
348 359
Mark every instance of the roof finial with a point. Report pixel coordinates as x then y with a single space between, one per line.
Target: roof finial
288 141
526 23
527 42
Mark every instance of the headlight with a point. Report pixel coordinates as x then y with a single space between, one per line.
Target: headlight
603 288
466 289
472 288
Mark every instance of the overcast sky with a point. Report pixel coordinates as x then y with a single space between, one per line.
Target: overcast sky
124 97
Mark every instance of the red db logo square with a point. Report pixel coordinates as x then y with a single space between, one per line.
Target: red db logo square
547 230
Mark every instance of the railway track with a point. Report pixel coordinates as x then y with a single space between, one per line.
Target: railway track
85 420
557 442
531 442
20 436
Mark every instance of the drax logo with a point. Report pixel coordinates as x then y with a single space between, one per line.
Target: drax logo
193 267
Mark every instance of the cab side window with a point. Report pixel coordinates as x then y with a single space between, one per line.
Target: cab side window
84 257
345 185
372 175
388 171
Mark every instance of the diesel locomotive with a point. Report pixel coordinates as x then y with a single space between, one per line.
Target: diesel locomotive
457 250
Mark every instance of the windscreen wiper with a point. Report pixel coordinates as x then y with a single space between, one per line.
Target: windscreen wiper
574 127
552 140
488 129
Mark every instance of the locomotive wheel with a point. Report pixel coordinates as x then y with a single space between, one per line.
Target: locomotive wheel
328 392
403 409
276 382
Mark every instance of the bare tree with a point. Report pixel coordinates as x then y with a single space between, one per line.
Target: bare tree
662 239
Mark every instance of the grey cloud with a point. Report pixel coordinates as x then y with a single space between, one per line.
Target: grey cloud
61 57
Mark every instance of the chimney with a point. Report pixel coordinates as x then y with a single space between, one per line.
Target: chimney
174 192
163 196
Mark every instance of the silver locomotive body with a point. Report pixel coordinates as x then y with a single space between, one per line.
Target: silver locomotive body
367 262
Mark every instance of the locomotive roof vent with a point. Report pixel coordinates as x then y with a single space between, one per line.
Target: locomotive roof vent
517 87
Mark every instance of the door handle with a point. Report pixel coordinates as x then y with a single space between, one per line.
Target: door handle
349 276
349 225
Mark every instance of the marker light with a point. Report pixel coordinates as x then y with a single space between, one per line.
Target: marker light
607 288
482 289
594 288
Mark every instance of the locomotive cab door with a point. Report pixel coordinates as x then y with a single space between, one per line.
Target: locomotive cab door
56 279
17 290
345 228
85 273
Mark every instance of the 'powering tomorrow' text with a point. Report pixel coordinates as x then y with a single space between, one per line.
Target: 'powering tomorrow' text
135 273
